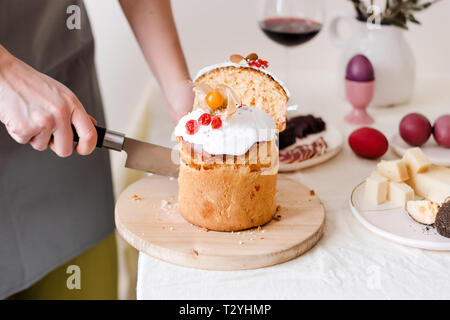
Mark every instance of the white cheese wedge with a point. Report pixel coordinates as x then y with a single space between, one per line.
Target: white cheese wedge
433 185
423 211
416 161
400 193
376 189
394 170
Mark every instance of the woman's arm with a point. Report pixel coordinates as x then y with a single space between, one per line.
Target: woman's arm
153 25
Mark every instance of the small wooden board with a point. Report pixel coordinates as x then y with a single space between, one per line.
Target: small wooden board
156 228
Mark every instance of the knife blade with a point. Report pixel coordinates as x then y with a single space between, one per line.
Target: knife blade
149 157
141 155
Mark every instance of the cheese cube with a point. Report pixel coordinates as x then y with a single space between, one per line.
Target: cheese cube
394 170
376 189
433 185
416 161
400 193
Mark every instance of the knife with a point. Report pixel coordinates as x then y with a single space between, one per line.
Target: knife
141 155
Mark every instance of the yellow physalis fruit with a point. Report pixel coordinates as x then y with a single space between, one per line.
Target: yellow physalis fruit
214 99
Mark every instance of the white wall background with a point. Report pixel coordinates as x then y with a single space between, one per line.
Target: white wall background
212 30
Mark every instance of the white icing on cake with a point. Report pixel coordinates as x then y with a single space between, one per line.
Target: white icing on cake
232 64
237 134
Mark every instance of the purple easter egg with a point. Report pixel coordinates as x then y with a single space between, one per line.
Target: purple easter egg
360 69
442 131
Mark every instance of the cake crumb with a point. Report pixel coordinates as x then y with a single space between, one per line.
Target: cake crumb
259 229
135 197
195 252
205 229
278 208
277 217
312 192
167 205
261 238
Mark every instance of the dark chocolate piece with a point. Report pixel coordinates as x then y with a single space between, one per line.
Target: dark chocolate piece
300 127
287 137
442 223
306 125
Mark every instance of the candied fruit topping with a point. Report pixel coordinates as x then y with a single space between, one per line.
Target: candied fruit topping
216 122
259 63
214 99
192 126
205 119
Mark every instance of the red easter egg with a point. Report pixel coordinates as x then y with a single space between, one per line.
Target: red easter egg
368 143
442 131
415 129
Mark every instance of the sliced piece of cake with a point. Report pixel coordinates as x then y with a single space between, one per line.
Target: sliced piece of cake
253 83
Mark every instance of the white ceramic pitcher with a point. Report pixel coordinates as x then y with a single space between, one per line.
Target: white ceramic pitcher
389 52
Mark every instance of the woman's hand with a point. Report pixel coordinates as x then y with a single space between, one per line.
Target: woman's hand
39 110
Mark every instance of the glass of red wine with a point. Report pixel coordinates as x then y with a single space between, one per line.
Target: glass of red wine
291 23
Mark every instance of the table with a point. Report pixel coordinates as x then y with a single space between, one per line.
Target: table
349 261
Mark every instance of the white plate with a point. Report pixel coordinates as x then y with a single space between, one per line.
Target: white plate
334 141
394 223
436 154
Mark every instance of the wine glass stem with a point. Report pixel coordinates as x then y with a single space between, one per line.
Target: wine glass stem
288 65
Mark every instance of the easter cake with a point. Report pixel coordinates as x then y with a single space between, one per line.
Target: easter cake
228 147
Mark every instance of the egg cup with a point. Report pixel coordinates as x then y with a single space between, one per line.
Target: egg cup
359 94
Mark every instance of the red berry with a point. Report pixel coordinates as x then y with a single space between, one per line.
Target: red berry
205 119
264 63
192 126
216 122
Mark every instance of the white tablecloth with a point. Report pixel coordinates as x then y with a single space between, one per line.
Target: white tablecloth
349 261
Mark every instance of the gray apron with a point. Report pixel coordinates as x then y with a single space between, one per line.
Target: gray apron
51 209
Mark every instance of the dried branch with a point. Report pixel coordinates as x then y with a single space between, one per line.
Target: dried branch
396 12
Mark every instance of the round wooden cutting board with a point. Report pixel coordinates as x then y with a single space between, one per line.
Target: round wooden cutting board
147 217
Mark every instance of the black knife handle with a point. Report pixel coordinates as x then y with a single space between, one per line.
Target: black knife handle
100 135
